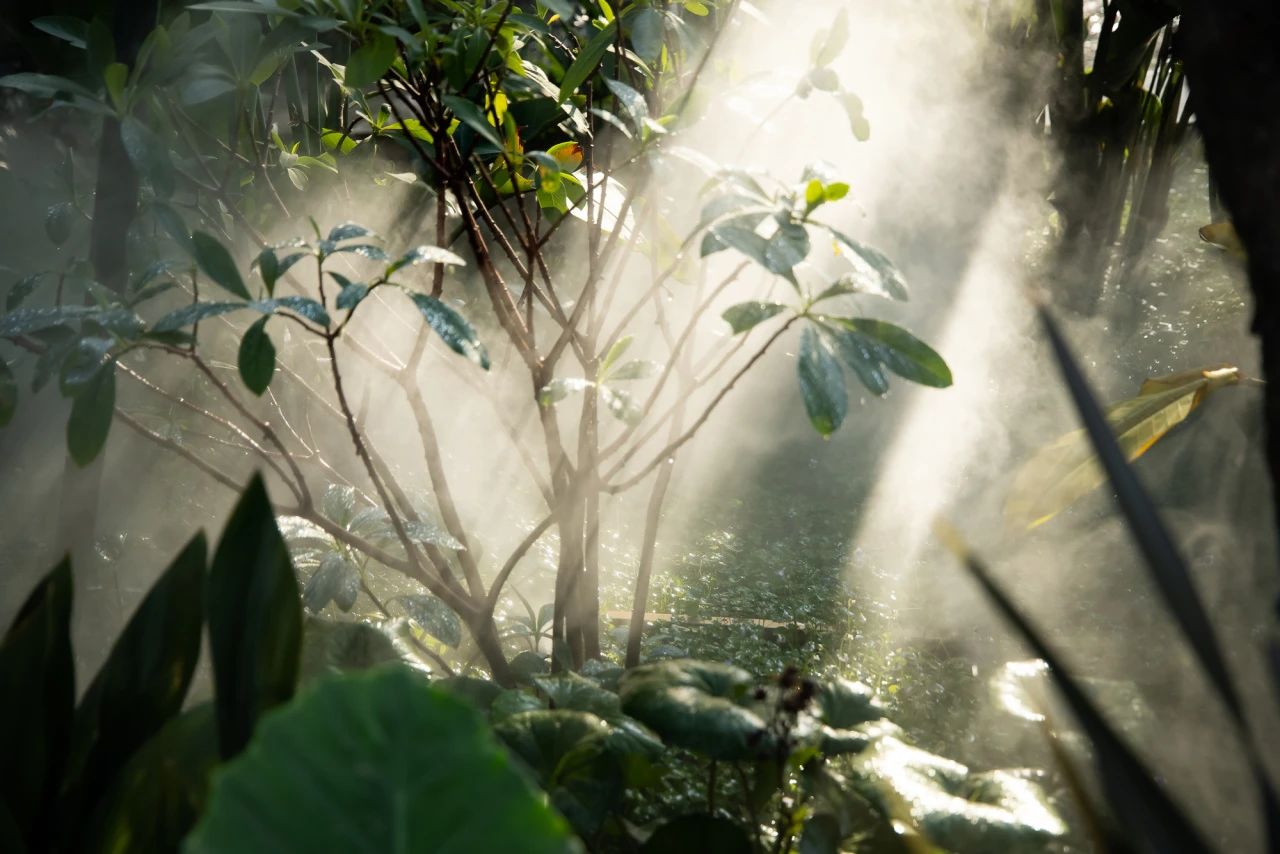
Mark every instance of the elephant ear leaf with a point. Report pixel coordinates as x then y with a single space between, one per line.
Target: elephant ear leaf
1066 470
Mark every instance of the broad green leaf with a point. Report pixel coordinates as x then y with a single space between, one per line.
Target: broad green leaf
903 353
71 30
452 328
217 263
337 646
303 306
47 86
412 768
872 271
821 384
745 315
195 312
843 703
560 388
479 693
335 580
645 29
161 791
57 223
621 405
473 117
144 681
347 231
615 353
1067 469
425 255
570 691
588 58
434 616
742 238
636 369
87 357
257 357
36 666
632 102
698 834
254 619
699 705
25 320
8 393
370 61
91 415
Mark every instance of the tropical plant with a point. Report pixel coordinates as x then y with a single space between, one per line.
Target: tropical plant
524 133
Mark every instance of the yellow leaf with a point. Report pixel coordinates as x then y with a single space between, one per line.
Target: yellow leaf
567 154
1223 235
1066 470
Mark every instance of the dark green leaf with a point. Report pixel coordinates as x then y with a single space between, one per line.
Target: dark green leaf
876 273
480 693
370 61
584 64
646 33
36 668
843 703
195 312
631 101
787 247
336 580
22 289
218 264
745 315
821 384
699 705
365 250
91 414
900 351
26 320
570 691
352 293
413 768
698 834
254 617
57 222
257 358
303 306
452 328
473 117
347 231
144 681
74 31
82 364
336 646
434 616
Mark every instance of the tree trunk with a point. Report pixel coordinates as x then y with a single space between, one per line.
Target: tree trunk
1232 56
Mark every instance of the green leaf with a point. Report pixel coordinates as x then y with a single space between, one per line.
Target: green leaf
74 31
370 61
584 64
347 231
351 295
161 791
699 705
57 222
217 263
254 617
425 255
787 247
336 580
195 312
336 646
873 271
821 384
8 393
22 289
646 33
899 351
144 681
434 616
828 43
452 328
636 369
26 320
621 405
615 353
745 315
257 358
632 102
91 414
37 675
570 691
413 768
473 117
698 834
560 388
843 703
303 306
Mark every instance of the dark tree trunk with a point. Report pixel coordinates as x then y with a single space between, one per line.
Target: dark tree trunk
1232 55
